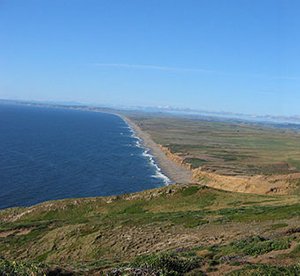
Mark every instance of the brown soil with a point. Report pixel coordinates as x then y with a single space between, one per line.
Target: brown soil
18 232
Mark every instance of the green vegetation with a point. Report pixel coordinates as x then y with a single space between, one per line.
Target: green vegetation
227 148
264 269
13 268
255 246
167 263
192 226
195 162
190 190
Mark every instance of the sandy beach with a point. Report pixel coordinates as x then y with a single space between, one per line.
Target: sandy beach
175 172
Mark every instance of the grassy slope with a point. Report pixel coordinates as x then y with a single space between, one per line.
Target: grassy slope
98 233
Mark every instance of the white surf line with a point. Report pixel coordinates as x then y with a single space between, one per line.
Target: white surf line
139 142
148 155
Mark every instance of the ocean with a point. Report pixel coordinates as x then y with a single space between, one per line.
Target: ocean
48 153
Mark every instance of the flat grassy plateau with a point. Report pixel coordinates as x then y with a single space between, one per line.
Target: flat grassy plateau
227 147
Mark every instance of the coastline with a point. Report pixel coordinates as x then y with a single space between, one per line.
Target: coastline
167 168
174 172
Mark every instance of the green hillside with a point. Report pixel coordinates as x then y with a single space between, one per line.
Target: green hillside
176 229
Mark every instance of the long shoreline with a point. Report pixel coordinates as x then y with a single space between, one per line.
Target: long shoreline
167 167
175 172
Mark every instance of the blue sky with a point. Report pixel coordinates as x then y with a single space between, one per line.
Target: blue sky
221 55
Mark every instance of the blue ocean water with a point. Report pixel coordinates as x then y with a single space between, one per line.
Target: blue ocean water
48 153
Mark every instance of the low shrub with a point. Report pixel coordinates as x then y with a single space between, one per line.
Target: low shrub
255 246
264 269
13 268
167 263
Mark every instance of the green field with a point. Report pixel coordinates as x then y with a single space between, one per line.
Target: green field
226 148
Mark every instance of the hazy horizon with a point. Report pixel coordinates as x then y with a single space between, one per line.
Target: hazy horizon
236 56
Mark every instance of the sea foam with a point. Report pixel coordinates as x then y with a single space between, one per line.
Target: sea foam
146 153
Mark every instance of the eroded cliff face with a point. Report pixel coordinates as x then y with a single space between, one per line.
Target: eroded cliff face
175 157
258 184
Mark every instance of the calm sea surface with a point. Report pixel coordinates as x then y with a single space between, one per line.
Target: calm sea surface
48 153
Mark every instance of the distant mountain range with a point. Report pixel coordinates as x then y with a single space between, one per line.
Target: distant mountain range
168 110
223 114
